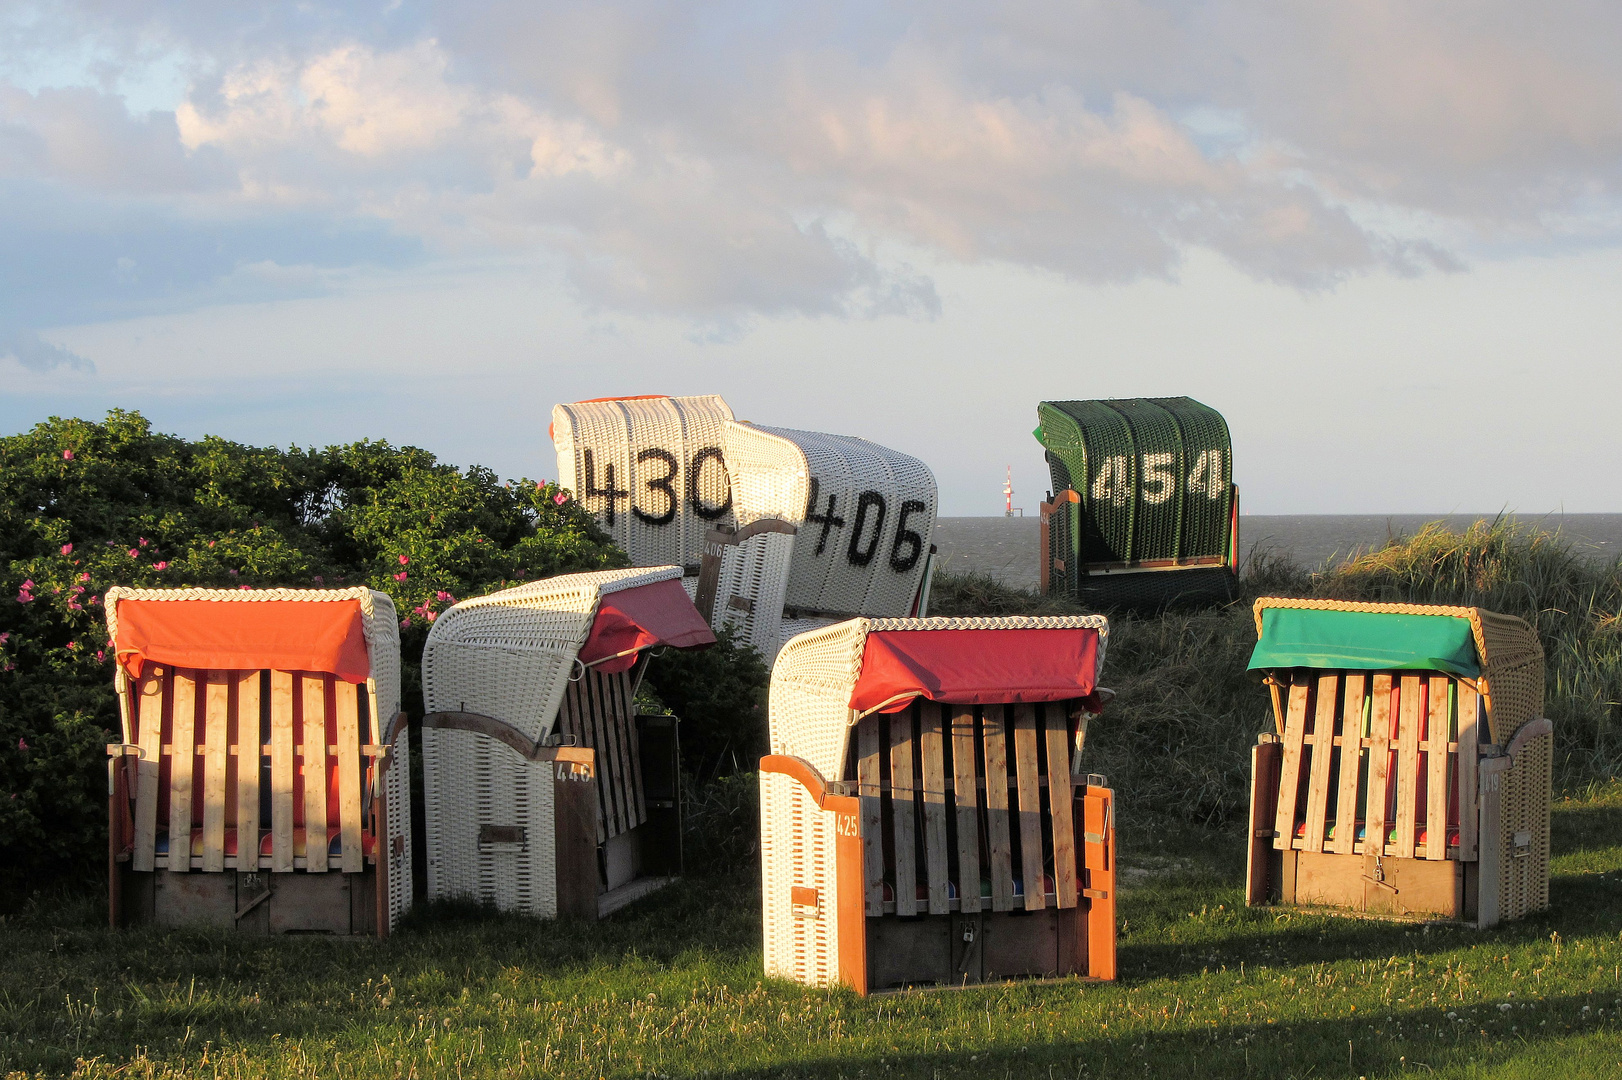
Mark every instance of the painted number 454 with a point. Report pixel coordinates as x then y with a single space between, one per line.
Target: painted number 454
1157 479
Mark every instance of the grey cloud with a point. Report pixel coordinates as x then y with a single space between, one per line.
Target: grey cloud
36 355
741 160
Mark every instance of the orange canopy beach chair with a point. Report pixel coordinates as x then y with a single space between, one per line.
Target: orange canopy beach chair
263 759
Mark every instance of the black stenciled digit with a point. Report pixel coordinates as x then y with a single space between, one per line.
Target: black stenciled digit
662 484
708 513
827 520
610 492
906 537
853 551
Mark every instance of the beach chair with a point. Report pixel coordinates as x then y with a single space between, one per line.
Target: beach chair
1144 513
828 527
651 469
924 817
264 778
545 791
1409 770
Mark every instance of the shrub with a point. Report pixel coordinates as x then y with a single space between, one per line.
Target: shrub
85 506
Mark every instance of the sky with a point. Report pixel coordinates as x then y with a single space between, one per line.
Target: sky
1383 239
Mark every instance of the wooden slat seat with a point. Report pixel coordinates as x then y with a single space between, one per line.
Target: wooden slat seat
1006 829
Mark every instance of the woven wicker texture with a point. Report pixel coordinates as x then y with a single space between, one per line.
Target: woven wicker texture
471 780
1523 878
509 655
651 469
866 515
1511 655
1153 474
753 589
797 849
810 713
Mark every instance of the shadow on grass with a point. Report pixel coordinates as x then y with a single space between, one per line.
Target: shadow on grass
1554 1031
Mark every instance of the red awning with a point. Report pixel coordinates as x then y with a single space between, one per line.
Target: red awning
974 667
631 620
285 635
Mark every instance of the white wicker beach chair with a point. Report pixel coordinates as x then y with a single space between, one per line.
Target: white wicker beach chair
535 762
921 804
231 702
828 527
651 469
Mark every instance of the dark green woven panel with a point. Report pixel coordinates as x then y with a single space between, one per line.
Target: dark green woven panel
1153 474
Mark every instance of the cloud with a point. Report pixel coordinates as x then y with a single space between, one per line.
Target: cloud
37 355
741 161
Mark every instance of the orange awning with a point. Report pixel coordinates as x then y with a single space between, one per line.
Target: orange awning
284 635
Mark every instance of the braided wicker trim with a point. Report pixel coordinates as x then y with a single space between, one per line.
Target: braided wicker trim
1511 654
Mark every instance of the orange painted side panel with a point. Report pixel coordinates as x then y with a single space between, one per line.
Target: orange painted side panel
850 907
1098 863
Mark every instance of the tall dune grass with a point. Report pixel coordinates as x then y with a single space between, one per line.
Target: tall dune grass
1177 738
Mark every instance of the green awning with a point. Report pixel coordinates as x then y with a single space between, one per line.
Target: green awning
1365 640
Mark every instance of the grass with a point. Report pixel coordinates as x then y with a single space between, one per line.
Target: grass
673 985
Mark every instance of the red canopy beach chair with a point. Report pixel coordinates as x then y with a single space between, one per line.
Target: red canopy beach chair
263 778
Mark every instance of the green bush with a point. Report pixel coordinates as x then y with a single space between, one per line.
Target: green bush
85 506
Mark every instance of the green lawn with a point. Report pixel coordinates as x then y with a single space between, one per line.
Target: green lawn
672 987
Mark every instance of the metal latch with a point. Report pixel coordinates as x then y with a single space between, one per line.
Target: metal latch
1523 845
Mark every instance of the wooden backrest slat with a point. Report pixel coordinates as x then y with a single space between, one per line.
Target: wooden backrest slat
625 695
149 731
901 812
1061 795
932 745
965 795
1289 780
216 739
1436 770
1374 829
1029 785
1000 848
1408 720
870 787
283 771
182 758
245 692
1322 745
1466 770
314 701
612 753
349 765
1351 762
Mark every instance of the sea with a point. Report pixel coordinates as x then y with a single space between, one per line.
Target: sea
1006 548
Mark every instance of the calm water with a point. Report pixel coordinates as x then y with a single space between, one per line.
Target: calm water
1006 547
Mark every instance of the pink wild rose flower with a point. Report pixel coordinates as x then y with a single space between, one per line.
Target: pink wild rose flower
405 560
67 455
67 549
